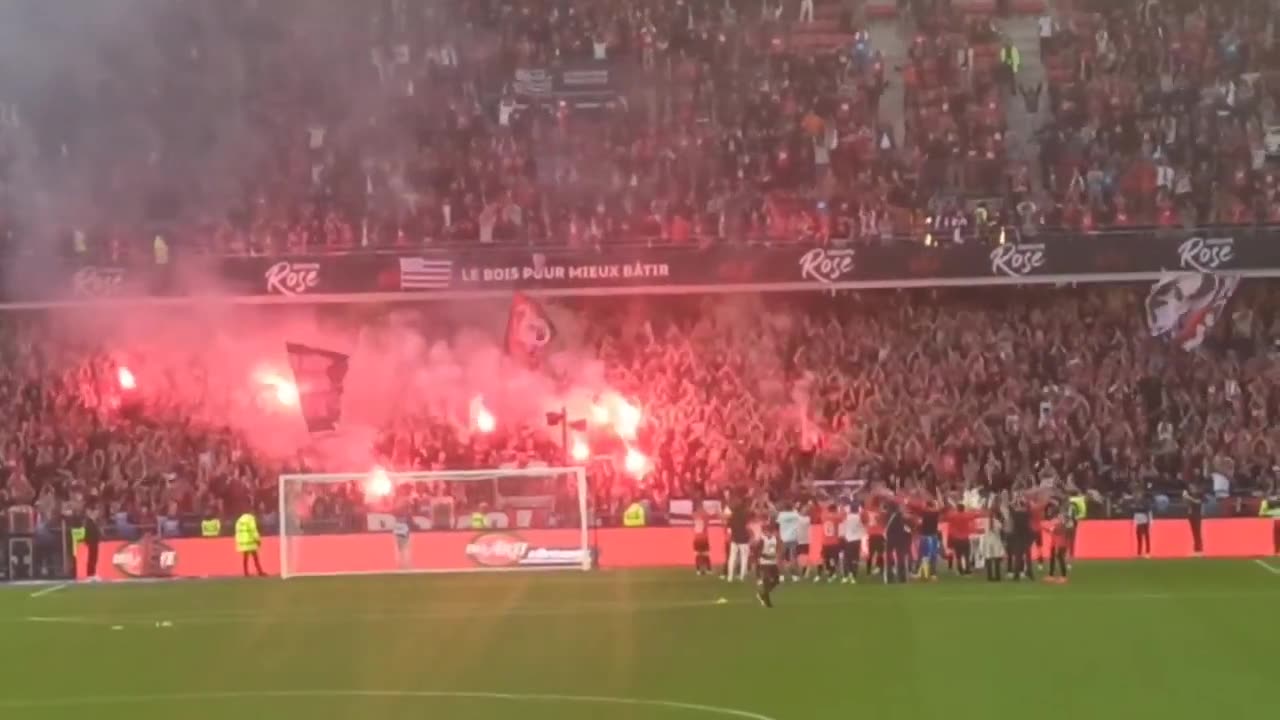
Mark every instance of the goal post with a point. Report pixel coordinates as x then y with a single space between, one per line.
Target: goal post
494 520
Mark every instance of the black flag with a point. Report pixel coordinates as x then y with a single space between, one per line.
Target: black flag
319 375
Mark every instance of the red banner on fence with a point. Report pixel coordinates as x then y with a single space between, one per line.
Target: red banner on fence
617 547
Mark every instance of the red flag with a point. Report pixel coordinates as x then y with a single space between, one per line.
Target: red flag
529 330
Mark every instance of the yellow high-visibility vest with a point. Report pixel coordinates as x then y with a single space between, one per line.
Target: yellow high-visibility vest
1010 56
247 538
1081 505
211 527
479 521
633 516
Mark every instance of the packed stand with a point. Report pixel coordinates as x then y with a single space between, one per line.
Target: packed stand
945 390
305 127
1161 114
956 81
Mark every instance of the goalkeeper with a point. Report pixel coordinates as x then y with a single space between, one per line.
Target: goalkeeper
403 533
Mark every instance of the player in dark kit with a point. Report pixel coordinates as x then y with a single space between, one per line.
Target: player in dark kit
701 542
960 525
767 566
1020 541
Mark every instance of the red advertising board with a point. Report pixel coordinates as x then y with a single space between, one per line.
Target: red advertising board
618 548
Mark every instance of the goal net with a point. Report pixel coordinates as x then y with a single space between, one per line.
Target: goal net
453 521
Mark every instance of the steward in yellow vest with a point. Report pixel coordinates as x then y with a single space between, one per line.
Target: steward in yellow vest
247 542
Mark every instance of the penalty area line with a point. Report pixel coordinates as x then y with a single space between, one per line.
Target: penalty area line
1267 566
49 590
709 710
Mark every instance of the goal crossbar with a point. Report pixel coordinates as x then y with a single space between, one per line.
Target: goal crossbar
428 476
401 478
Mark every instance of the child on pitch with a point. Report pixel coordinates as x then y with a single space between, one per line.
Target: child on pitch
701 540
768 549
1060 543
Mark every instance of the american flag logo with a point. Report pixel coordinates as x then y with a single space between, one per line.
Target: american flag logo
424 274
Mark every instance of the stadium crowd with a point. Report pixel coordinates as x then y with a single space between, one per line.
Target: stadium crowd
1162 113
923 389
332 126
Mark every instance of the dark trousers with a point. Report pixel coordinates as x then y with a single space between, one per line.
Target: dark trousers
962 553
875 553
1197 538
701 555
257 564
1058 561
831 559
1144 538
993 569
898 562
1020 554
852 556
91 559
769 579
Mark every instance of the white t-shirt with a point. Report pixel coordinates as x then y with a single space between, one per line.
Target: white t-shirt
505 110
973 499
789 526
769 551
1221 485
1046 26
853 529
802 530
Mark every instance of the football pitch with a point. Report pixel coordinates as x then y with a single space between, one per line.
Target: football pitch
1181 639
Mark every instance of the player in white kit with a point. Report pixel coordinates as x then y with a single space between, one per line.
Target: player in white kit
770 548
403 531
802 547
855 534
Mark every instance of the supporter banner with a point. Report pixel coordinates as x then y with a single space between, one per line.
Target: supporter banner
499 271
590 82
618 548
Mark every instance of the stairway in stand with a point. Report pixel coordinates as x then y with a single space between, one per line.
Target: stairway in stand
827 31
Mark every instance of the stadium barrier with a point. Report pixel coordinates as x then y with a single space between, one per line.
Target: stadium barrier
1137 254
618 548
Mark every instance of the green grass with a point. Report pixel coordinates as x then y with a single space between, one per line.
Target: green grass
1189 639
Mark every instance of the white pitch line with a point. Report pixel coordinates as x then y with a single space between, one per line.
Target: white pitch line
1267 566
510 697
50 590
181 618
